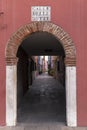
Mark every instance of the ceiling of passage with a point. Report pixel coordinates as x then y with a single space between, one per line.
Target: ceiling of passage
42 43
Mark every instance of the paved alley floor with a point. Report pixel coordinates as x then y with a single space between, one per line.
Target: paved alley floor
44 103
43 107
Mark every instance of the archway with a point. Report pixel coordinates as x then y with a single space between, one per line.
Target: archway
11 69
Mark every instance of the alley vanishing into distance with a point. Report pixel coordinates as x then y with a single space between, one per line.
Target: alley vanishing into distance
44 103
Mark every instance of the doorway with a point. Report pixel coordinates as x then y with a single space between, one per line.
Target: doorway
11 69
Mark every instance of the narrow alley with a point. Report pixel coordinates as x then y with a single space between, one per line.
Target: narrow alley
44 103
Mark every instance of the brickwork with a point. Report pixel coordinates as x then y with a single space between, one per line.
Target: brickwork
16 39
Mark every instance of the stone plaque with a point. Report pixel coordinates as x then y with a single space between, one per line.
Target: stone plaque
40 13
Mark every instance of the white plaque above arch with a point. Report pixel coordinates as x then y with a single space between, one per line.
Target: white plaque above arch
40 13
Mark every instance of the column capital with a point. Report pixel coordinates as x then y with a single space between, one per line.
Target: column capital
70 61
11 61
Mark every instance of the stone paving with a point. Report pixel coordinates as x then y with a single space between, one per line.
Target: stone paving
44 102
43 127
43 107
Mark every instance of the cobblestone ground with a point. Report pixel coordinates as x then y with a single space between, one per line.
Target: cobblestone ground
44 103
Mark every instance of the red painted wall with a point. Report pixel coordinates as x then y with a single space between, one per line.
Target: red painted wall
71 15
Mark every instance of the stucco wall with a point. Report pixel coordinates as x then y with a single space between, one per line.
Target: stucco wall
71 15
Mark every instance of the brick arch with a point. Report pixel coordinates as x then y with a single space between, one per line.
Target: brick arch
11 69
24 31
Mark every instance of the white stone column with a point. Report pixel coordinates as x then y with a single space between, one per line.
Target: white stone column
71 99
11 95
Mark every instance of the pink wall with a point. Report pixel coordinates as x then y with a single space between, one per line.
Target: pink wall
71 15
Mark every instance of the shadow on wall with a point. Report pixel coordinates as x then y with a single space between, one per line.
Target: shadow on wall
22 75
25 74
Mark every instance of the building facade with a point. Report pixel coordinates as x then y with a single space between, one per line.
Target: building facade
67 21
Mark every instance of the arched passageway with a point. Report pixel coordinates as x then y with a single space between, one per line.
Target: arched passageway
44 101
11 67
